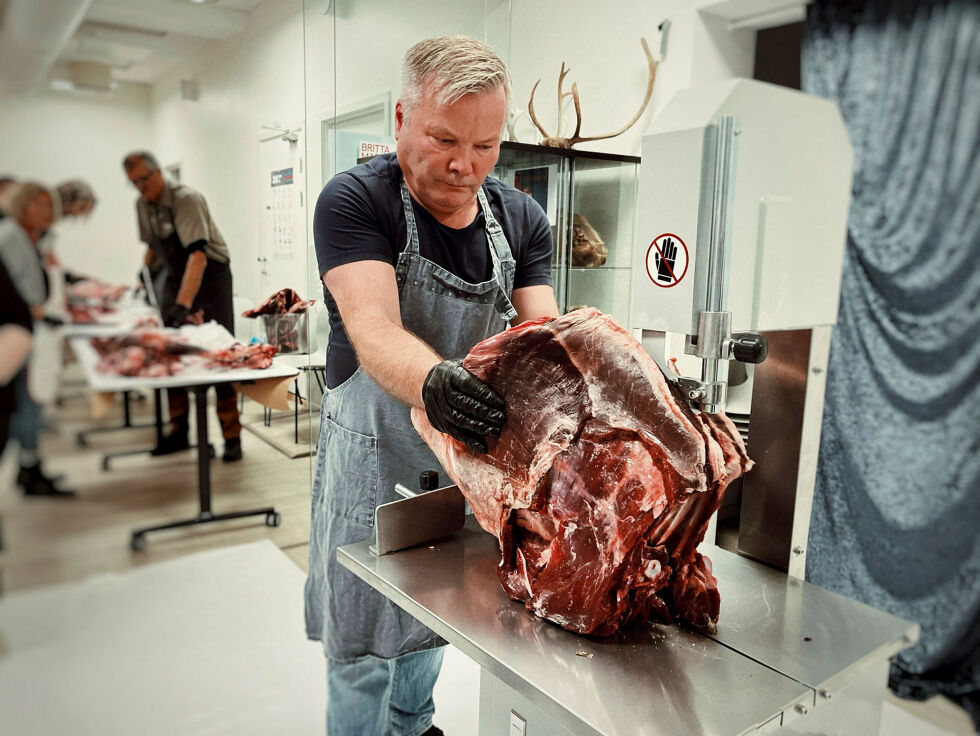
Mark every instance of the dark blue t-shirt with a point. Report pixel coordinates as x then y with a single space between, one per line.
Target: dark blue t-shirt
359 217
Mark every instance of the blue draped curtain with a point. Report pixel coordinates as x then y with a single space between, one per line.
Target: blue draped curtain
896 516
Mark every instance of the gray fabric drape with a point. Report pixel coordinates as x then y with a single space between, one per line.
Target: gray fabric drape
896 516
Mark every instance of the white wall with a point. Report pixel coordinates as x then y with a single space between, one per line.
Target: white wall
601 45
244 83
265 76
53 137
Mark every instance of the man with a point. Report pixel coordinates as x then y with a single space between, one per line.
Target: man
177 227
31 212
422 257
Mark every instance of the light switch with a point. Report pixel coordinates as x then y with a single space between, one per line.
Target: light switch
518 726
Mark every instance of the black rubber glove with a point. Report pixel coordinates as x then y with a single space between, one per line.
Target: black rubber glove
175 315
461 405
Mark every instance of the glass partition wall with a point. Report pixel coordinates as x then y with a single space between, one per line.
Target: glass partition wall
353 51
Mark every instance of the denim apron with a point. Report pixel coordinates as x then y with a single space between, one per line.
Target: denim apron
367 444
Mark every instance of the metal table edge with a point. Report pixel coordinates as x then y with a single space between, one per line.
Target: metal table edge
467 646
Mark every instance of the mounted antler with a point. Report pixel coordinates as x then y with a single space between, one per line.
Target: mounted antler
557 141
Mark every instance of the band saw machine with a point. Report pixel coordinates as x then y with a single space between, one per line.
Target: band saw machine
742 220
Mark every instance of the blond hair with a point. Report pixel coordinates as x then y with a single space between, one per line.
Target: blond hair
455 66
24 193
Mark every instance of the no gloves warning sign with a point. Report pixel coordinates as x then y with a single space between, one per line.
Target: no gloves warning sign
667 260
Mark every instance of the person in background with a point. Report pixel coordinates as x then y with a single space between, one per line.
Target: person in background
31 212
177 227
6 188
422 256
15 345
73 198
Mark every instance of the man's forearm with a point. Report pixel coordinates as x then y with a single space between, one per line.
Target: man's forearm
190 283
149 258
396 359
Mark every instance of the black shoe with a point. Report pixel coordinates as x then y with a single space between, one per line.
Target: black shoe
176 441
24 475
233 450
433 731
36 483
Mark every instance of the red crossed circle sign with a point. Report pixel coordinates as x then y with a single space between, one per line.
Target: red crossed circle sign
667 260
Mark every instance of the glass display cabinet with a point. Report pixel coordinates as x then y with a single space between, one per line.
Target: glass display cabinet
590 200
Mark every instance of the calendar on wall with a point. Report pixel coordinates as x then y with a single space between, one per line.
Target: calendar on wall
285 204
281 260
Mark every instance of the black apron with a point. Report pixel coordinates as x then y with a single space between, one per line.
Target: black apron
215 295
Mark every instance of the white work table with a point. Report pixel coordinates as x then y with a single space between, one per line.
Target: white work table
197 378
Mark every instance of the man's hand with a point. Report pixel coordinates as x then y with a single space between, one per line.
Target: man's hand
461 405
175 315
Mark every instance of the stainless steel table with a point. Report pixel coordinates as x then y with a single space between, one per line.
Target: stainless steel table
788 657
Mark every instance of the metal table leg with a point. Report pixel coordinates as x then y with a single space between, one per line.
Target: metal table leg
157 425
204 516
82 436
296 412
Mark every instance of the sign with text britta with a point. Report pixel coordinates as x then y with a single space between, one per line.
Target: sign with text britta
367 149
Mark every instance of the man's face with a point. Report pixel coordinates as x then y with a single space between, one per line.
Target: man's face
39 213
150 183
446 151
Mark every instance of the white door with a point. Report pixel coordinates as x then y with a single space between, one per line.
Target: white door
282 219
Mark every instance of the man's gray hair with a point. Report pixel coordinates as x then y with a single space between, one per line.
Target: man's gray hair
24 193
455 66
133 159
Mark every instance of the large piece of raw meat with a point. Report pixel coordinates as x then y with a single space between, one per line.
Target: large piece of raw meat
603 480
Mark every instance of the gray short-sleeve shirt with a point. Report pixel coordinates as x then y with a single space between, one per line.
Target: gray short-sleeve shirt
187 209
22 262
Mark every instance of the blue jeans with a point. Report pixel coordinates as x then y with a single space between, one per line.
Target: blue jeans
25 422
370 696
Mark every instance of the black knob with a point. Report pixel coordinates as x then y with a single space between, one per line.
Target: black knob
749 348
428 480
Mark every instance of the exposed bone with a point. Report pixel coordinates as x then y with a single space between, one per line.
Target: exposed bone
557 141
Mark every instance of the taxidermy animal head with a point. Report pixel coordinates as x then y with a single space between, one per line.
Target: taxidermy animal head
588 250
557 141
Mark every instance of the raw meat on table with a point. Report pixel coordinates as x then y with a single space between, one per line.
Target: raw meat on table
603 480
155 355
147 353
242 356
